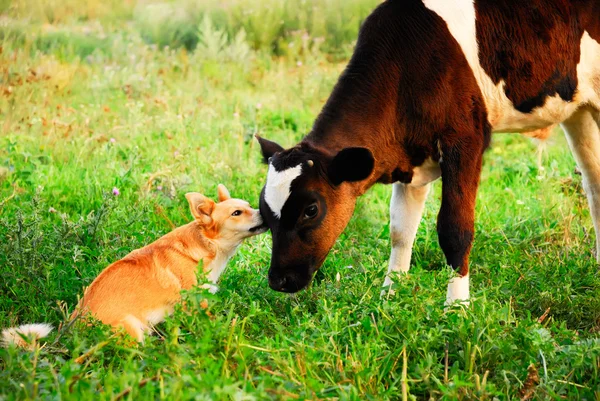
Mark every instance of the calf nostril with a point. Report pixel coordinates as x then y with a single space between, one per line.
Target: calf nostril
282 282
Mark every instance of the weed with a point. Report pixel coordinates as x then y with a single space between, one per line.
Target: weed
102 134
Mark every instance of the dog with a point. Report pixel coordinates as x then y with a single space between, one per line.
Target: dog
138 291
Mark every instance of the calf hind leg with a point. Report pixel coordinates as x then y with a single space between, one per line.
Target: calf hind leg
582 130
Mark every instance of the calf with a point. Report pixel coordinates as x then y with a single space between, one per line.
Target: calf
428 83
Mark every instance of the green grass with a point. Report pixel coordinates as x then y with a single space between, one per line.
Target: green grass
90 106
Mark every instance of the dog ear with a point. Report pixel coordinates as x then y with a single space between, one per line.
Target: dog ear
350 165
223 193
268 148
200 206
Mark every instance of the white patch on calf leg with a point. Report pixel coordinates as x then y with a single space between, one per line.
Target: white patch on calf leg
583 134
458 290
406 209
277 188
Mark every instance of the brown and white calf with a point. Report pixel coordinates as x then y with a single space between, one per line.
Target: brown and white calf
428 83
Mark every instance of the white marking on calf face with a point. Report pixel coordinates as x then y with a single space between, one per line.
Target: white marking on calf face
277 188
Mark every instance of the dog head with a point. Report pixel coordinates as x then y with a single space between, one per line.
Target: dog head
229 218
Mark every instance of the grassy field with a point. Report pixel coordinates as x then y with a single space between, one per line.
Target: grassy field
102 131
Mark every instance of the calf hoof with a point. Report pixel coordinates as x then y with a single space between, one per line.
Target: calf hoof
387 291
458 292
456 305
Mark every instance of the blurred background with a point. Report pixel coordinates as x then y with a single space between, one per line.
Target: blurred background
217 29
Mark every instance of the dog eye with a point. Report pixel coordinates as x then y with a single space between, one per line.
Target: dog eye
311 211
236 213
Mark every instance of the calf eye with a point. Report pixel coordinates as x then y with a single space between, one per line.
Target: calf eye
236 213
311 211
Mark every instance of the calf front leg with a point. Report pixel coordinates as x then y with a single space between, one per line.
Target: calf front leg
461 167
406 210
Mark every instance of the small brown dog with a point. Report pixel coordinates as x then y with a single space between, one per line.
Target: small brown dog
139 290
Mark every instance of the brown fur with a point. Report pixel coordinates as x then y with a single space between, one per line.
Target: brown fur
539 59
589 16
542 134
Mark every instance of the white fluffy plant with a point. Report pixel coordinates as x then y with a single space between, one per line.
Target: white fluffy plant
238 50
214 44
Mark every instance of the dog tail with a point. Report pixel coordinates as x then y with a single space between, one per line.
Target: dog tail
25 335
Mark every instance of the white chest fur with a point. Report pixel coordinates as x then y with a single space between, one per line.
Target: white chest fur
217 266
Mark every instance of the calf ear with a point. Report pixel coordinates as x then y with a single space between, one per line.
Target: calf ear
223 193
350 165
200 206
268 148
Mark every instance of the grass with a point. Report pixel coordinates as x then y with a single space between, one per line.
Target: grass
87 106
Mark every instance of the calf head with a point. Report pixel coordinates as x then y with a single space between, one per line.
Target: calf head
307 201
